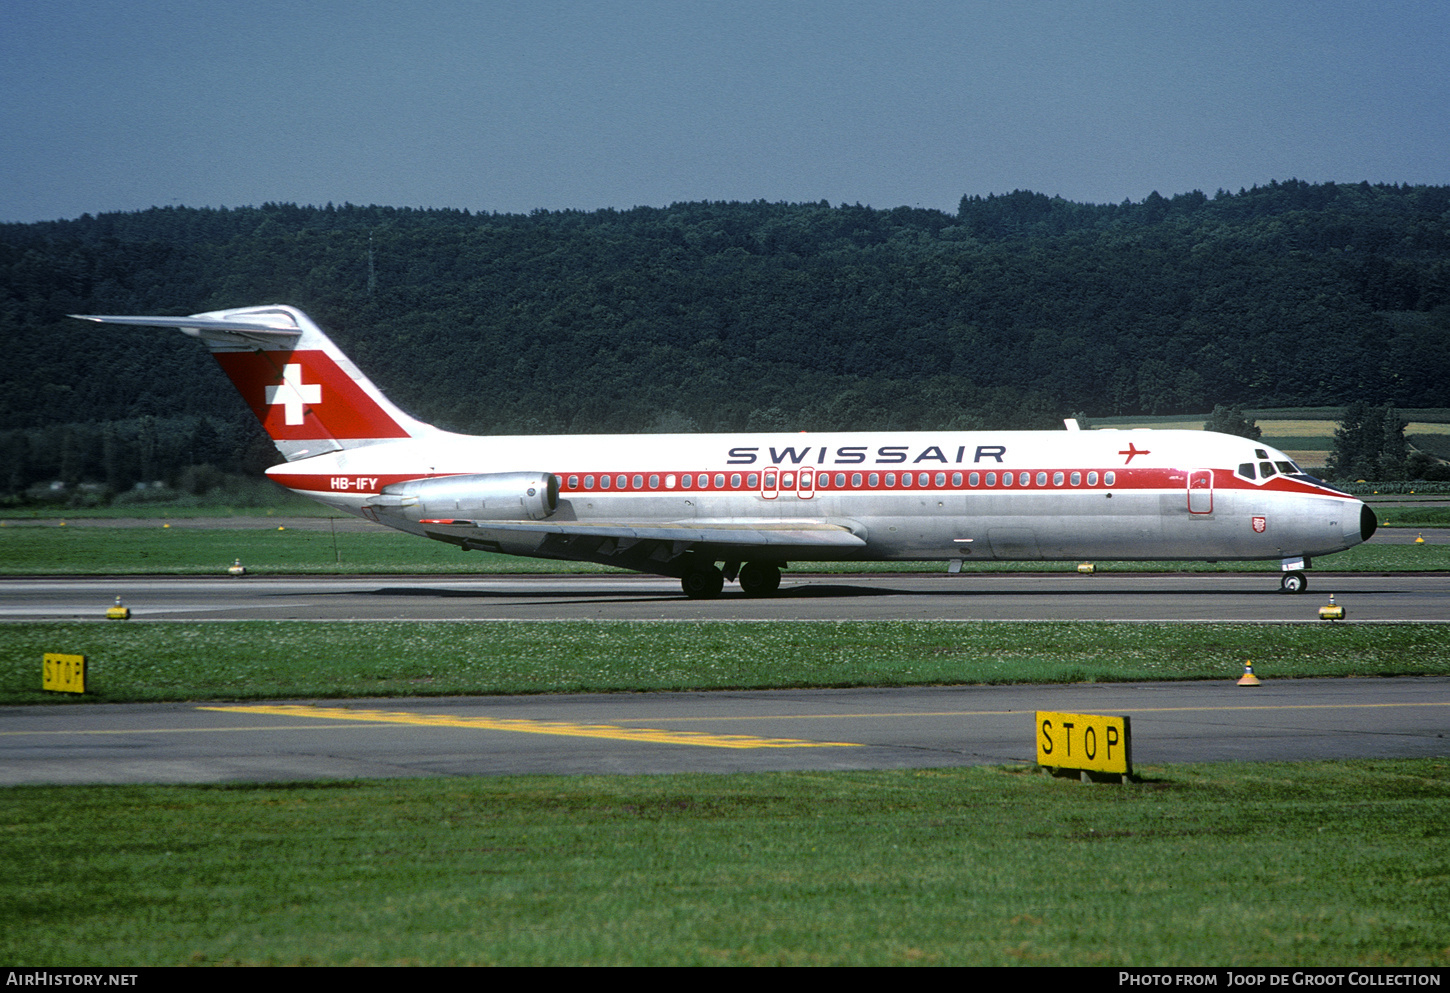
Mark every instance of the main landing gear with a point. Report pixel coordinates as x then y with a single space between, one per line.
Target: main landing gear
705 581
759 579
1294 582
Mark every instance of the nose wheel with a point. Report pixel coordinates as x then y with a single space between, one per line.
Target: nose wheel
1293 582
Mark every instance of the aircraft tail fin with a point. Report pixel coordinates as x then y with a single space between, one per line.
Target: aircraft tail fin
307 394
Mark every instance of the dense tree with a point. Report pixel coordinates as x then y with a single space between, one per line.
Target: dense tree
1231 420
721 316
1391 461
1369 443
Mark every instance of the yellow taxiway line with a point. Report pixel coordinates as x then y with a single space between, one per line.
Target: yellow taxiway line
564 728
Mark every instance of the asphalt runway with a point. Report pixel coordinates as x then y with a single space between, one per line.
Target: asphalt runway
1252 597
725 732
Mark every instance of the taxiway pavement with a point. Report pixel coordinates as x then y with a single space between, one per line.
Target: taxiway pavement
1250 597
722 732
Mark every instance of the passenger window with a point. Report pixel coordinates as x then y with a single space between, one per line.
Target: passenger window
1109 478
1042 479
840 480
751 480
573 482
991 479
973 479
1077 479
719 480
1092 478
638 482
604 482
874 479
922 479
589 482
1057 479
620 482
770 480
1006 478
1024 478
654 482
670 481
855 479
891 479
787 480
735 480
941 479
956 479
823 481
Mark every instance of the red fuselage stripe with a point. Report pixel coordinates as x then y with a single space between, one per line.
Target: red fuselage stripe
740 481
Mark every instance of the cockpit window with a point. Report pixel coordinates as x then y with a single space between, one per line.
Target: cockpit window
1267 468
1246 470
1287 468
1261 453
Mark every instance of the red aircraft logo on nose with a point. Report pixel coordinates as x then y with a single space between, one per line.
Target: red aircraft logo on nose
1133 451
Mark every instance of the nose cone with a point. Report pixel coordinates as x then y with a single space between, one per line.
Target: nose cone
1368 523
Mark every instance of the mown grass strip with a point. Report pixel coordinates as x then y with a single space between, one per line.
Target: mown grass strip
1333 864
296 659
89 550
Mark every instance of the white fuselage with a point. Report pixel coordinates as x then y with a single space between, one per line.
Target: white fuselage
908 495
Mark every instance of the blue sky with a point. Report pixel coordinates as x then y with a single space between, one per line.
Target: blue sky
513 106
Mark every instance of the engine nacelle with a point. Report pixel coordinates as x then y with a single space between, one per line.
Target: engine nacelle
497 496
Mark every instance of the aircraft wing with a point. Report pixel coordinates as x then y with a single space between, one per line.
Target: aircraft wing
743 533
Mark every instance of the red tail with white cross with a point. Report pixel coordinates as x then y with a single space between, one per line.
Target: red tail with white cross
309 396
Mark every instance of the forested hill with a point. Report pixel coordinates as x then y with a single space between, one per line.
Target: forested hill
1013 312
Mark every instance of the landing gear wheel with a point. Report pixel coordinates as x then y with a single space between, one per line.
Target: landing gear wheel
1293 582
759 579
703 584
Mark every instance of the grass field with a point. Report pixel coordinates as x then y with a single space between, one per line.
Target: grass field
92 550
1237 864
164 660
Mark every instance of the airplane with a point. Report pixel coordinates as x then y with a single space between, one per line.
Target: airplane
739 507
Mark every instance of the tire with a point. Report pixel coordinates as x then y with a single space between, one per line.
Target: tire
1294 582
759 579
703 584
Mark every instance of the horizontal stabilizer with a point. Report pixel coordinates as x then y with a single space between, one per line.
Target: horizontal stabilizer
259 332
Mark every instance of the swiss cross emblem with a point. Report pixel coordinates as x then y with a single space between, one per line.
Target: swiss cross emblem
1261 524
293 394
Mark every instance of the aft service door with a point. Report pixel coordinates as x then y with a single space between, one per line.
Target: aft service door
1200 491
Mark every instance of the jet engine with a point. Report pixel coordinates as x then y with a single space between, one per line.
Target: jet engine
496 496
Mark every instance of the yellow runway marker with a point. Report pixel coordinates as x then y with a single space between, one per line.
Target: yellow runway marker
564 728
